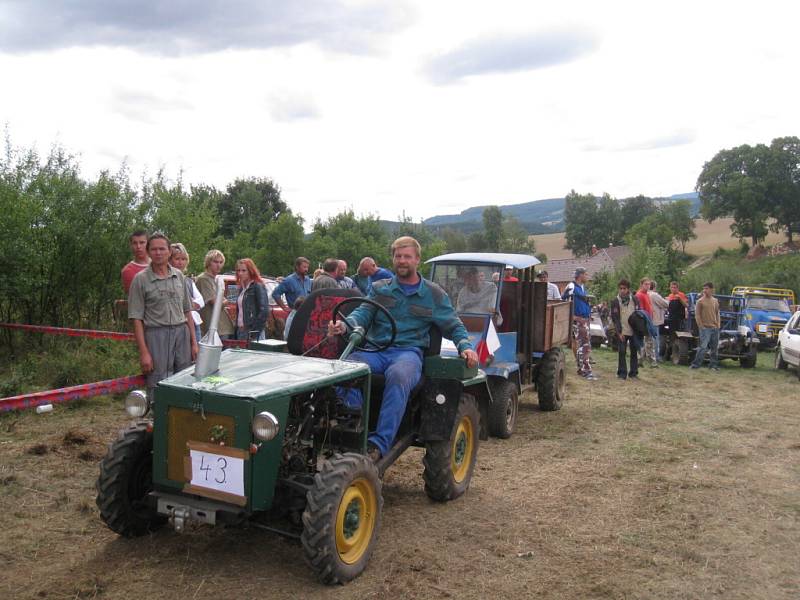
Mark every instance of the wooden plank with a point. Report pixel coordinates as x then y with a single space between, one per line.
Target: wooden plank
217 449
215 495
539 315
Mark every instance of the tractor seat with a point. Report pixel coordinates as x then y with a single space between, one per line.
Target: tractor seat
308 333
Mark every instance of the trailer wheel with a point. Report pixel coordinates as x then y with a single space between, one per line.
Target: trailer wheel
126 477
449 464
342 518
504 408
552 380
748 361
680 351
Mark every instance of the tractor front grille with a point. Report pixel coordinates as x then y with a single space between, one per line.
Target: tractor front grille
186 425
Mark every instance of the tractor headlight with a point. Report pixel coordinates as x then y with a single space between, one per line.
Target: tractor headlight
265 426
136 404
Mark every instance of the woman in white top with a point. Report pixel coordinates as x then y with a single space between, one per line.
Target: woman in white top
179 258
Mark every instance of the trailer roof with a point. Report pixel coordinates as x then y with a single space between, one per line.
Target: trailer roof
517 261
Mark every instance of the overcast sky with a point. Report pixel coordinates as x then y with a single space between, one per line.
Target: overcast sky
423 107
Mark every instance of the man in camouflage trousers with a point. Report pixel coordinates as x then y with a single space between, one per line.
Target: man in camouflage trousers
582 312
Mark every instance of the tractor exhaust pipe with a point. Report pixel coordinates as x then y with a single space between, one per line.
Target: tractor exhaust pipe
210 347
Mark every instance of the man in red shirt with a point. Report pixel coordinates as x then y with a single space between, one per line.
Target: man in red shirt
649 350
138 244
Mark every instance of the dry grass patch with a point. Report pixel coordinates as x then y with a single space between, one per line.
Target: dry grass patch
681 485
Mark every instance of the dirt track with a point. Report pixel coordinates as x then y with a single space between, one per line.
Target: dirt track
622 494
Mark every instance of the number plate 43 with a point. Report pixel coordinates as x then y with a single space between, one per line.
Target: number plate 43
216 472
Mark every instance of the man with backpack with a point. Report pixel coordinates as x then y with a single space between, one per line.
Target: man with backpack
623 307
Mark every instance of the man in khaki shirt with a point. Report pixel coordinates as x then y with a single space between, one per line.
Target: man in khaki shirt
161 313
706 314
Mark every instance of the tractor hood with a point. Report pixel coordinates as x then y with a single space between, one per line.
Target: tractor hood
255 374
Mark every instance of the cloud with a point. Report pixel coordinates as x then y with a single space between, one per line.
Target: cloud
678 138
293 107
140 106
508 54
181 27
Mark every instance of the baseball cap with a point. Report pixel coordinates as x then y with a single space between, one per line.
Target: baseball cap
579 271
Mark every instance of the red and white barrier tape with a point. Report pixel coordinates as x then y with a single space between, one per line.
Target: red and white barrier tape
93 333
87 390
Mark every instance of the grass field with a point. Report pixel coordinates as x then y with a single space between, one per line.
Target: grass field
710 236
682 485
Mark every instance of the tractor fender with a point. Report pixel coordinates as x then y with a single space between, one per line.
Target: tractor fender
437 419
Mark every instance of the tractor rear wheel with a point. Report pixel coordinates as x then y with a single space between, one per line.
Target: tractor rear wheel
449 463
126 478
680 351
504 409
779 362
552 380
342 518
748 361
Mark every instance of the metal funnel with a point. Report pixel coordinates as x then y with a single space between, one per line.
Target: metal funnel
210 347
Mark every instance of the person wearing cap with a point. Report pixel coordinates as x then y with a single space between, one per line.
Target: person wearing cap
552 288
581 311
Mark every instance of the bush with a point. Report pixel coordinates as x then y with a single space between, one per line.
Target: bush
730 271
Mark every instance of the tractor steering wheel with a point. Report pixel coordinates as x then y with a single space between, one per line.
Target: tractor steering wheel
367 343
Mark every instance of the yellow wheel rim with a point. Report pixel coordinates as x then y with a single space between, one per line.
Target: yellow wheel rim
355 520
461 452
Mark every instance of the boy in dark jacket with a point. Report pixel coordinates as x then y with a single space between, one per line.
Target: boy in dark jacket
622 307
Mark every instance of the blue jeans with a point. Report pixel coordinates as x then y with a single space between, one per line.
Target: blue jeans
709 342
402 368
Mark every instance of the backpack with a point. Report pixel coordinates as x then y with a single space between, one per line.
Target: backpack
638 323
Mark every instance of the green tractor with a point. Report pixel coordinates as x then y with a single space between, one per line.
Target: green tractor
265 441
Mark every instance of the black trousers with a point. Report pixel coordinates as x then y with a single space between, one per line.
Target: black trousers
622 367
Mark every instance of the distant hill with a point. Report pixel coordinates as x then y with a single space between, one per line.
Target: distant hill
536 217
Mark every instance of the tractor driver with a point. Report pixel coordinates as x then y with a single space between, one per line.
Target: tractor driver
416 304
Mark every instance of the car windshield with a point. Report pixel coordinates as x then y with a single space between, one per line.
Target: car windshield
768 304
472 288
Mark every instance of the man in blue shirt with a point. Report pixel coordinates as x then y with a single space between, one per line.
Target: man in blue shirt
416 304
582 312
369 272
295 285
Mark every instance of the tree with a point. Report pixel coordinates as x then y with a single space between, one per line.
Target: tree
580 216
608 230
735 184
278 244
492 228
350 238
633 211
186 217
248 205
515 239
476 242
678 216
784 173
455 240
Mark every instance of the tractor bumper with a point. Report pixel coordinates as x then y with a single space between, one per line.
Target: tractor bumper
182 510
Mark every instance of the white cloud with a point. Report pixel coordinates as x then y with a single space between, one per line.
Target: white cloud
665 90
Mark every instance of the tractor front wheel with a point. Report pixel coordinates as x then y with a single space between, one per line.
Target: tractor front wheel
504 408
342 518
449 463
126 478
748 361
680 351
552 380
